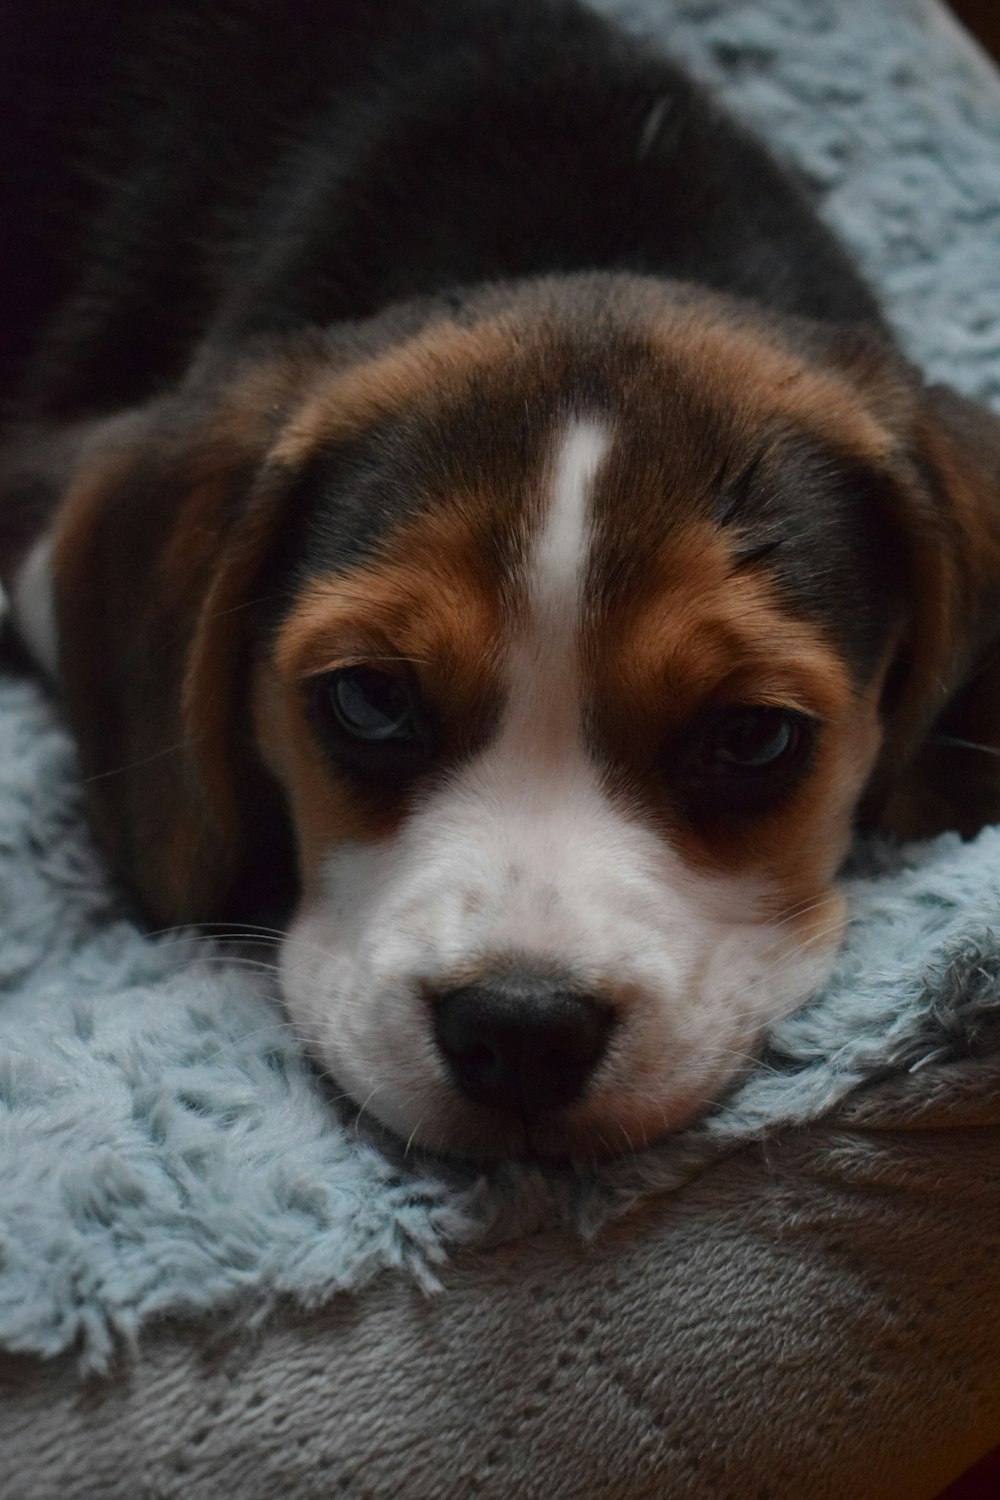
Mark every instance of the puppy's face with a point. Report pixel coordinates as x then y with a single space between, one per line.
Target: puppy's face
572 691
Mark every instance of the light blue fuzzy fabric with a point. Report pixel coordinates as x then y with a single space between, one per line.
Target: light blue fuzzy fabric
164 1148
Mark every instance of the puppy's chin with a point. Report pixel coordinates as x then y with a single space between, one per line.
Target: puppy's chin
600 1129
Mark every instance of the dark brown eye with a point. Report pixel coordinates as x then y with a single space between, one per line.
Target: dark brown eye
373 725
751 741
743 760
371 705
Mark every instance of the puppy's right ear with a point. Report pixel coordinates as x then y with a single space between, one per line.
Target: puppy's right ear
161 519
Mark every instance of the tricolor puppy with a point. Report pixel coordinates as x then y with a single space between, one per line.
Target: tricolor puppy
471 505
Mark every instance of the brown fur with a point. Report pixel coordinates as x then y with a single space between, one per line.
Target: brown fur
428 602
156 542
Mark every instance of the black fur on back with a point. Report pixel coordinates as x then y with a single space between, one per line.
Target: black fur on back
179 171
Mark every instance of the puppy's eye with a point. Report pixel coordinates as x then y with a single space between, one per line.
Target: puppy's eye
744 760
371 705
752 741
374 725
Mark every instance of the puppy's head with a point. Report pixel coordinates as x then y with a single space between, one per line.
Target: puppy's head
571 630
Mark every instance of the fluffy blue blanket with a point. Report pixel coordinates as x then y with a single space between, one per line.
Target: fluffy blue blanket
164 1147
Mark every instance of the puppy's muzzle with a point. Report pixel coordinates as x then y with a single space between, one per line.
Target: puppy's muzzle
521 1042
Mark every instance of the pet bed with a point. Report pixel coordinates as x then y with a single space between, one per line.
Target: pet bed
214 1282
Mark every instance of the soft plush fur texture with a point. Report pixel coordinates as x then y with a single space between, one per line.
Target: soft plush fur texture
166 1149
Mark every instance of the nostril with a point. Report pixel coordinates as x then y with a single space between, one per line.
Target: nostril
480 1061
523 1043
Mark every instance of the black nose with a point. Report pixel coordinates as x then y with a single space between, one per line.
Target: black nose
521 1043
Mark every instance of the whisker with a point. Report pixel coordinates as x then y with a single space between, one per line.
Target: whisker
363 1107
953 742
232 1044
186 937
223 933
789 913
135 765
239 961
413 1132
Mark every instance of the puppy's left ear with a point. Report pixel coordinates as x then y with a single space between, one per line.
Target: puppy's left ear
941 765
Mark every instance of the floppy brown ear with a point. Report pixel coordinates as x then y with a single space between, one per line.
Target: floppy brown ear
941 766
162 520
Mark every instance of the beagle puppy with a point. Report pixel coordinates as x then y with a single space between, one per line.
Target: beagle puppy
473 508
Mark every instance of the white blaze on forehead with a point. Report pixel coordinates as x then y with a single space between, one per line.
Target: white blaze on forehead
563 545
542 674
